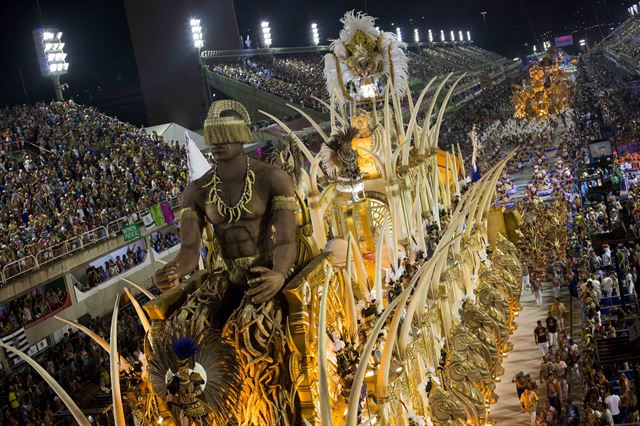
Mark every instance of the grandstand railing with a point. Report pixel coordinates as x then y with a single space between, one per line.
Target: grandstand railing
57 251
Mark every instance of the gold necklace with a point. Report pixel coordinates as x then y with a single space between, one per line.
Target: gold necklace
232 212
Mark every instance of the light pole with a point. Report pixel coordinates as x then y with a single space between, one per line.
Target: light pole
198 44
51 56
315 36
266 34
484 18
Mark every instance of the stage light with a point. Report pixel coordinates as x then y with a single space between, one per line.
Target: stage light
453 37
315 36
51 56
416 35
442 39
196 33
430 37
460 36
266 34
468 35
399 34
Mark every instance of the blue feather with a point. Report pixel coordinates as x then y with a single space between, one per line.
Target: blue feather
184 347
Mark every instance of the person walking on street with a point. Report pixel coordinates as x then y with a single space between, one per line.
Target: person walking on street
529 404
542 339
526 284
559 311
557 284
613 402
552 329
520 381
536 288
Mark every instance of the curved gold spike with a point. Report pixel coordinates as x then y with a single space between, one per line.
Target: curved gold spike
96 338
311 121
328 107
143 317
75 411
323 379
291 133
354 394
116 395
426 125
139 287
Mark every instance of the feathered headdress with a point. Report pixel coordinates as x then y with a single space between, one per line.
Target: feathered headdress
362 57
201 378
339 159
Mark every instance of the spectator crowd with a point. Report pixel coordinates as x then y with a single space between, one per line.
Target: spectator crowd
76 162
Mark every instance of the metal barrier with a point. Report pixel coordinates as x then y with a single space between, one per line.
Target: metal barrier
59 250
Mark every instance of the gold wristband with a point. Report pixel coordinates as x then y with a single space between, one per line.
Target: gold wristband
189 214
281 202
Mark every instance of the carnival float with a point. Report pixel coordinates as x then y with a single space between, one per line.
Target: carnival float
404 282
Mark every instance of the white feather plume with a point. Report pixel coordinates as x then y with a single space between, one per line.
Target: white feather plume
393 53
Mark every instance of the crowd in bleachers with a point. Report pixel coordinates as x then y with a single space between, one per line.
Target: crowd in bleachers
31 307
77 162
299 79
162 241
78 364
96 275
623 44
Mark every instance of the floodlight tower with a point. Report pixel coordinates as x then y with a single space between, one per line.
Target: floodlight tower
469 36
416 35
51 56
399 33
266 34
430 36
198 44
315 36
196 32
453 36
442 38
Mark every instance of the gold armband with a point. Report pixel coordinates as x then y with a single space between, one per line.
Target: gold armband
281 202
189 214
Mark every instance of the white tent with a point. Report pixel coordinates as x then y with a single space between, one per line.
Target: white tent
175 132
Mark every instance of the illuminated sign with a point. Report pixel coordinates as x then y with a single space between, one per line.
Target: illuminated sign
562 41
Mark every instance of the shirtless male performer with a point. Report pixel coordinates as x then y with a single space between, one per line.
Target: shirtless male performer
253 210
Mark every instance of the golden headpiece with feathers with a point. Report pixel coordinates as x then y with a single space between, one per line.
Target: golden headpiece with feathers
363 60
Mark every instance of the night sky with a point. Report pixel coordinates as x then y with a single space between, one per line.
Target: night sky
103 69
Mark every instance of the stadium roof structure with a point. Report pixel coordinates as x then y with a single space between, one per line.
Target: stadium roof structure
175 132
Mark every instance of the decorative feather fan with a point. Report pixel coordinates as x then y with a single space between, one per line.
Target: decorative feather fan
339 159
362 51
288 157
214 372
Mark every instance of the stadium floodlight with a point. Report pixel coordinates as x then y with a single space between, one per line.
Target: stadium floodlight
442 39
635 8
51 56
535 48
315 36
196 32
399 33
266 34
583 43
430 36
416 35
453 36
460 36
468 35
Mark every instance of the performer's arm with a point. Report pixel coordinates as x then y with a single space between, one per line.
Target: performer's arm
283 212
191 225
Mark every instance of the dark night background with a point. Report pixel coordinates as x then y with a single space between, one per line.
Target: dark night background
103 68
